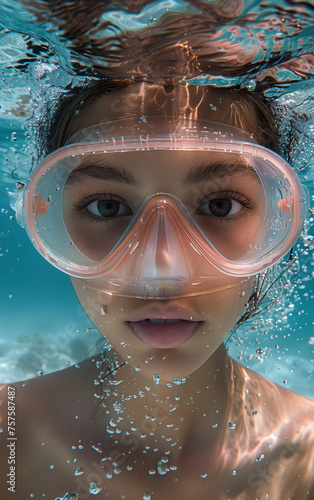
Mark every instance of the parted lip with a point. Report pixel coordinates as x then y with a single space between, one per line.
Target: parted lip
172 311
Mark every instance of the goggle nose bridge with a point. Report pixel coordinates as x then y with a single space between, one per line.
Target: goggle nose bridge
162 248
162 252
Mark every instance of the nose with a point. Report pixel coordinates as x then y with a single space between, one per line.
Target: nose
163 259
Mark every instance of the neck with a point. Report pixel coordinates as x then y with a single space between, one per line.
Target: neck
202 399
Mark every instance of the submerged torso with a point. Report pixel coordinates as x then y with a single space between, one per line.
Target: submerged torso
262 445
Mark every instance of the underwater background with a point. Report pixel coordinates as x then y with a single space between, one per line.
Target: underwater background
48 47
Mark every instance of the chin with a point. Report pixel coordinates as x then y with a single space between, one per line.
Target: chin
167 364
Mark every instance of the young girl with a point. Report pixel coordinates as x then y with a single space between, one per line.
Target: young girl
163 204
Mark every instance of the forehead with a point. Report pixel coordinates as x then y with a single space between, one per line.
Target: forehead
141 100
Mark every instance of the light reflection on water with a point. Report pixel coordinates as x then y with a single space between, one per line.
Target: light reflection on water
45 49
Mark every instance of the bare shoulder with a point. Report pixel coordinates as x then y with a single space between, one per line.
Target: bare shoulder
48 402
275 411
281 401
55 393
42 418
276 426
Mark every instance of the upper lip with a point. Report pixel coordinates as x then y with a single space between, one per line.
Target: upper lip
165 312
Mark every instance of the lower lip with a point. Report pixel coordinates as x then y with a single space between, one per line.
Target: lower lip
164 335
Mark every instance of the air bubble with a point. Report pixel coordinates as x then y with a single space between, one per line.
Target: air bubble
97 448
79 471
146 496
234 472
149 358
177 381
114 382
113 422
156 378
232 425
251 85
69 496
118 407
162 470
103 311
94 488
162 467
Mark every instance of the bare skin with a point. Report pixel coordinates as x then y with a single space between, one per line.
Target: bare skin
181 422
245 439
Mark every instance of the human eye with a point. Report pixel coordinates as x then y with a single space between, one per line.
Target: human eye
225 205
102 207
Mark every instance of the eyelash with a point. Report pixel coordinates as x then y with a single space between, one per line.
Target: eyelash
247 203
81 205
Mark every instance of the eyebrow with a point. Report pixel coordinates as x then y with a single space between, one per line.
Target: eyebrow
209 171
217 170
103 172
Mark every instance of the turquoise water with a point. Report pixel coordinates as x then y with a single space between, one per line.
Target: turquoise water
45 49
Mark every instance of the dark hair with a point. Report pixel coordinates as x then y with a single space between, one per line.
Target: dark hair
52 131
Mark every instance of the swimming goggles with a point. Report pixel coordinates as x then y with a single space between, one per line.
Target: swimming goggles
161 207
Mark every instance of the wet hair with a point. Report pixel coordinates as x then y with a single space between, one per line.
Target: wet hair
52 131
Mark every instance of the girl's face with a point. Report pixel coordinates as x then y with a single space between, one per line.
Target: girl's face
172 337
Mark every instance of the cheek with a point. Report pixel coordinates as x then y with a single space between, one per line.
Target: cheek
221 310
94 304
230 303
107 313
